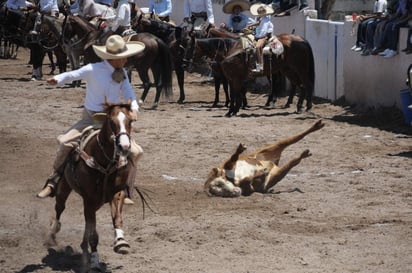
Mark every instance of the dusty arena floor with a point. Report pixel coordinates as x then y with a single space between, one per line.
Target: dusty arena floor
347 208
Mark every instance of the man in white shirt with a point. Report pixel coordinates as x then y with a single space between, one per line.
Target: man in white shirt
199 10
106 79
120 22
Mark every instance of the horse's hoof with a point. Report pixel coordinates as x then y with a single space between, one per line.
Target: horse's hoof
121 246
180 101
287 105
154 105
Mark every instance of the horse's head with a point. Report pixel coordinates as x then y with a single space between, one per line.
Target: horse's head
117 126
189 48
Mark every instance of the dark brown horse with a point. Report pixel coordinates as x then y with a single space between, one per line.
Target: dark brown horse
99 173
175 37
296 62
79 35
213 51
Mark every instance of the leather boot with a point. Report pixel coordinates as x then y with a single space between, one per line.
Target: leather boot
51 183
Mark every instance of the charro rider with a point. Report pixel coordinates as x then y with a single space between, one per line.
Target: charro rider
106 79
16 17
199 11
264 29
238 21
162 8
48 7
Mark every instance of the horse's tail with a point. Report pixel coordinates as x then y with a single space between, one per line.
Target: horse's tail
311 61
165 64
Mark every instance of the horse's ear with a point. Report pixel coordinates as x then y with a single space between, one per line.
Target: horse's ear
129 101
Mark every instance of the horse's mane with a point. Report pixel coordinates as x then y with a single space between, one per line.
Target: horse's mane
83 22
53 23
161 29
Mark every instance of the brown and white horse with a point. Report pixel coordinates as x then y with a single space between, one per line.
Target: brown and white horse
99 174
258 171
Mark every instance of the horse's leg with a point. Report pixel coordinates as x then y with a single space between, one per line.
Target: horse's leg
36 57
233 99
300 101
272 95
144 77
62 193
14 49
120 244
159 85
244 98
226 89
291 95
308 95
52 64
217 81
180 74
90 236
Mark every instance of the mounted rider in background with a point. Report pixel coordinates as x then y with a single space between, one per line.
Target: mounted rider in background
16 19
48 7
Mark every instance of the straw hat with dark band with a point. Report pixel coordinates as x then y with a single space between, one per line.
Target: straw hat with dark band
243 4
260 9
117 48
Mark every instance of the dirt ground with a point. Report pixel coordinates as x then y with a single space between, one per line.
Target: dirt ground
347 208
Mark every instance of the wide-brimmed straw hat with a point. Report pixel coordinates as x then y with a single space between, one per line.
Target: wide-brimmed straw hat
117 48
260 9
243 4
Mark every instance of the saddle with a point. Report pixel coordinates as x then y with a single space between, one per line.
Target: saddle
273 46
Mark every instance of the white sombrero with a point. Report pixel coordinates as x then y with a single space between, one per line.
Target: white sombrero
243 4
117 48
260 9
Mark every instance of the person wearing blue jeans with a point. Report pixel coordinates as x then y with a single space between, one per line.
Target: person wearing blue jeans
391 33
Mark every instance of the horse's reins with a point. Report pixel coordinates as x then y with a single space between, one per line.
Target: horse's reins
113 161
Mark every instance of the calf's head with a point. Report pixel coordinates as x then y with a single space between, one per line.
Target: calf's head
218 185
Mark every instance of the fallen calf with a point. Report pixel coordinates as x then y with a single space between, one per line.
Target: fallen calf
255 172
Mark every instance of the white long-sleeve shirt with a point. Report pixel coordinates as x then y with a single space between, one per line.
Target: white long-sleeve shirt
123 15
198 6
99 85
